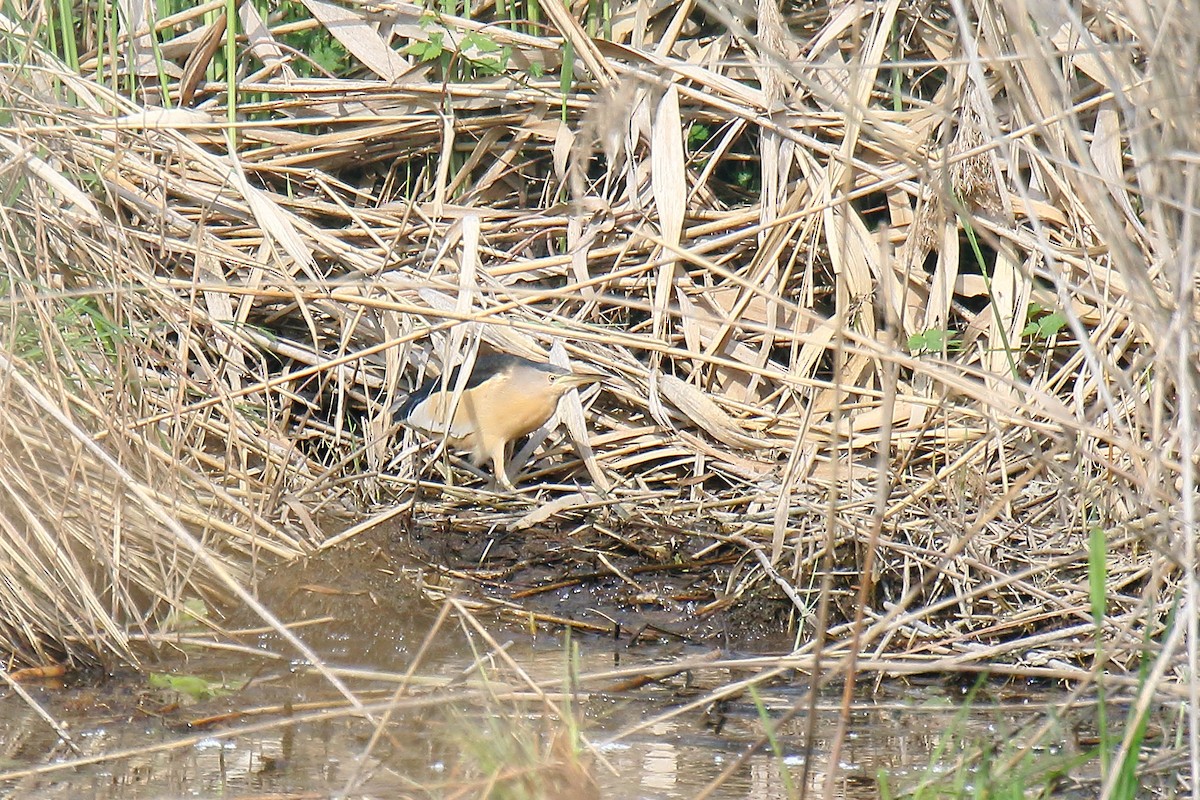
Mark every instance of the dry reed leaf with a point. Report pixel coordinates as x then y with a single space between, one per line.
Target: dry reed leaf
135 26
564 143
1048 215
1008 292
900 213
841 472
155 118
464 337
667 167
775 164
758 473
360 38
822 51
262 43
652 454
757 310
1086 53
703 411
850 91
220 310
570 410
716 320
275 222
872 419
941 283
71 582
546 512
669 185
855 258
201 56
578 245
584 46
82 203
815 345
1106 152
469 263
971 286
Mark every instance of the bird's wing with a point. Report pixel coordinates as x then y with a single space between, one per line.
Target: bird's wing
430 414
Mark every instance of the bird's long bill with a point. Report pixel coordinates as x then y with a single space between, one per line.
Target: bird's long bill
577 379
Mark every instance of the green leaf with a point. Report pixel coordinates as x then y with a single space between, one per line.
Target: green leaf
192 686
1051 324
933 340
1043 323
428 51
1097 572
480 42
187 618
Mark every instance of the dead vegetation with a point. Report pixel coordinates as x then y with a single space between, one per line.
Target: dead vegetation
894 302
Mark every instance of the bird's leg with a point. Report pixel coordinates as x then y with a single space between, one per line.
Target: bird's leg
500 469
443 465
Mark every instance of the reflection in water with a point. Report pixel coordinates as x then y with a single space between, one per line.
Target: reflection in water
671 759
766 781
660 764
428 749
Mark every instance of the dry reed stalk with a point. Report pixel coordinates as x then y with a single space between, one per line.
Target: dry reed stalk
732 223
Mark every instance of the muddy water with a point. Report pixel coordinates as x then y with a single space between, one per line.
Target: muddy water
468 724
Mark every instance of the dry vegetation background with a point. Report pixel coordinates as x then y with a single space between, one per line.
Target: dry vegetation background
897 297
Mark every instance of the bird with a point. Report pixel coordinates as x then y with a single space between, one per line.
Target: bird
505 398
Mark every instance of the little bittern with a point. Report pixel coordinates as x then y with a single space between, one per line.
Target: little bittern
506 397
